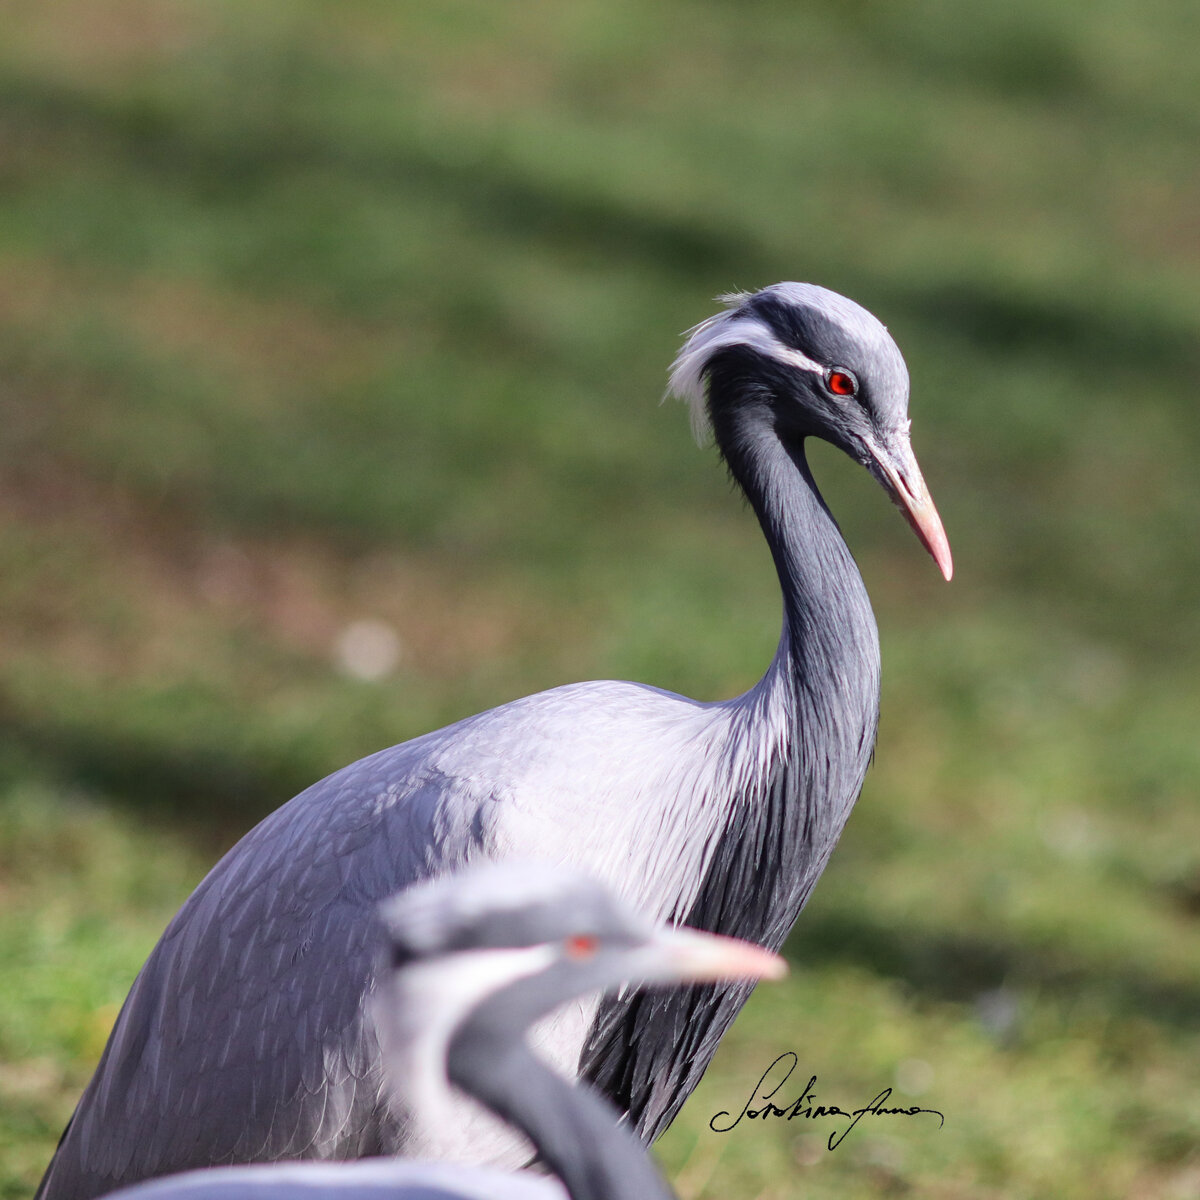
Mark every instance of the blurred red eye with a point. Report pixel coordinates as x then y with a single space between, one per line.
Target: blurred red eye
582 945
842 383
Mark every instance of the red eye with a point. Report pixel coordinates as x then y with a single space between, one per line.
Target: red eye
580 946
842 383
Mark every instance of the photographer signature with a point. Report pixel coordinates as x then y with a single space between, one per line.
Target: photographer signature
806 1106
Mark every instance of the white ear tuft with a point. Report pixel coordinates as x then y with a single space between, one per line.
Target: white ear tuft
686 381
733 327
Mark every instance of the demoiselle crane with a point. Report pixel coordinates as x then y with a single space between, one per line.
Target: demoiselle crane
247 1037
472 961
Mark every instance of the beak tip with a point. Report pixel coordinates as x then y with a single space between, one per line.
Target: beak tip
928 527
707 958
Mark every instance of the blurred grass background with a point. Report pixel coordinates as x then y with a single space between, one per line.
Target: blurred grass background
330 343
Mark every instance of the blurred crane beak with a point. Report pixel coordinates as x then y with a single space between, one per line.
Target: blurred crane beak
895 466
689 956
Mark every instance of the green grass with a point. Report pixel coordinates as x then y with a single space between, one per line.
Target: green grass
311 313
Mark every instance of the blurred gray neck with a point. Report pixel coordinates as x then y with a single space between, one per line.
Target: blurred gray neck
576 1133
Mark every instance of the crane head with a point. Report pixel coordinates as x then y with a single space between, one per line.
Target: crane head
504 908
823 367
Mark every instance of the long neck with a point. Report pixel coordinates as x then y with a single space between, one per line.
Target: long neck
575 1132
829 648
810 723
793 752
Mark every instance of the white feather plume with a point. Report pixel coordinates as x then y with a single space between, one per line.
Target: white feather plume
729 328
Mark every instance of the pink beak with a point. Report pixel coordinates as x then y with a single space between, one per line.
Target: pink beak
896 468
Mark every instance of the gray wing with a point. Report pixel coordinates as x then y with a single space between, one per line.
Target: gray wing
231 1047
374 1179
245 1036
